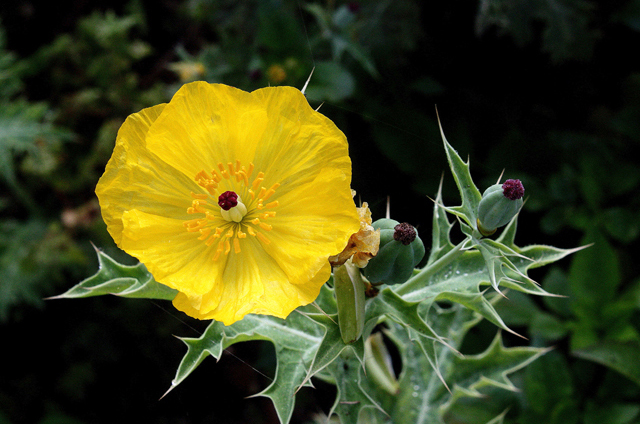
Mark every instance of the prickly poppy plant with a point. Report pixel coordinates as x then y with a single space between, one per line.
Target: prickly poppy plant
236 202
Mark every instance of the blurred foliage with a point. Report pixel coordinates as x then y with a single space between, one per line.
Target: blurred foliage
549 90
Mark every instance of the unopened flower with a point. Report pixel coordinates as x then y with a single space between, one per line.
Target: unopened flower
234 199
363 245
499 204
401 250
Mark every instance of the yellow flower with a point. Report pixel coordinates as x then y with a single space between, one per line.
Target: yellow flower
234 199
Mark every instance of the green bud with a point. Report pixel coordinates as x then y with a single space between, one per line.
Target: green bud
499 204
400 251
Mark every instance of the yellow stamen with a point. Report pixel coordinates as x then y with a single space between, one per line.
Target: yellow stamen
204 233
218 252
257 181
262 238
191 222
200 196
227 247
229 237
223 171
270 192
265 227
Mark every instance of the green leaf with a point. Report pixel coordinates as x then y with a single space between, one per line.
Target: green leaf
330 82
594 276
615 413
353 389
622 357
470 194
24 129
122 280
440 239
305 344
471 374
549 390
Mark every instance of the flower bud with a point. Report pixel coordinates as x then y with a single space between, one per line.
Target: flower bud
400 251
499 204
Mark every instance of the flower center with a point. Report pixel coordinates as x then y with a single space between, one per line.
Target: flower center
228 200
222 228
231 206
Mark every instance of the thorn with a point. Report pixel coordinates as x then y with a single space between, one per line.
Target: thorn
388 213
307 83
173 386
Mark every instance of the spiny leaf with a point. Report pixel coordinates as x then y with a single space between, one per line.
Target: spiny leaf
296 341
421 390
331 346
353 389
440 239
491 368
468 190
122 280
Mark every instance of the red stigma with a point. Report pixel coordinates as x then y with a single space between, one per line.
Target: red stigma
228 200
513 189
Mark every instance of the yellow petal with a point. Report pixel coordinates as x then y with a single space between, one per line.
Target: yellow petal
206 124
170 253
314 222
136 179
252 283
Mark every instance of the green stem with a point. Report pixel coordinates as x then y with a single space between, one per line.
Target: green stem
426 272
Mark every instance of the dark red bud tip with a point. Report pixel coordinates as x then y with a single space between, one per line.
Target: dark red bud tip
404 233
228 200
513 189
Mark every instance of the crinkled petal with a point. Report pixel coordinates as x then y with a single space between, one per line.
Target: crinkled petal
170 253
252 283
206 124
136 179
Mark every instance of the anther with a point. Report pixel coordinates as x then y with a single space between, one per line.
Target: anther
262 238
257 181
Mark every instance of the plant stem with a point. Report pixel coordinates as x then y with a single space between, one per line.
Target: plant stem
426 272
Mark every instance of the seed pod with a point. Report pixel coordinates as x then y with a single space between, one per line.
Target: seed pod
400 251
349 289
499 204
